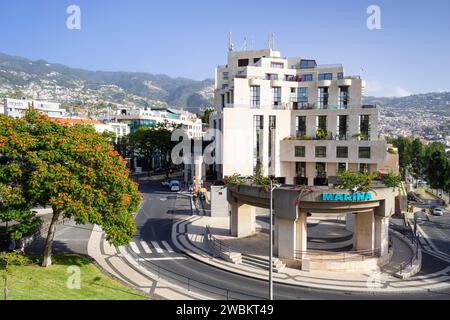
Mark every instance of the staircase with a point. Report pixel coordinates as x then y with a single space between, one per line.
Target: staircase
262 263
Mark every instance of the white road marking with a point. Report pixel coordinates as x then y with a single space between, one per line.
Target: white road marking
157 247
146 247
167 246
134 247
162 258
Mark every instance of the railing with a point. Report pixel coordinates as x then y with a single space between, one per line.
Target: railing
326 256
215 244
408 233
190 284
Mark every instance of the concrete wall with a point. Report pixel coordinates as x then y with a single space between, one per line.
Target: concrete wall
243 223
219 202
364 236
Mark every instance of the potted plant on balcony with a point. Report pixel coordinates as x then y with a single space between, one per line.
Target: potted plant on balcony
357 136
321 134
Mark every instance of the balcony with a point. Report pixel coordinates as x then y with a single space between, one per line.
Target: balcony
323 83
255 81
346 82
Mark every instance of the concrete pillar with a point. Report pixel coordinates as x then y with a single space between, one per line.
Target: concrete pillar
301 234
285 238
310 172
242 219
350 222
382 234
364 231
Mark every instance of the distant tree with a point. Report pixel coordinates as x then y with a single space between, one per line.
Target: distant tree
141 144
162 140
437 166
75 171
416 157
403 144
206 114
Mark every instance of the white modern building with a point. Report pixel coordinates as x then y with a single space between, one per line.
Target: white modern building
296 120
119 129
16 108
148 118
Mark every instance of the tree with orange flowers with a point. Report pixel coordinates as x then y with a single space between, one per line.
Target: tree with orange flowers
75 171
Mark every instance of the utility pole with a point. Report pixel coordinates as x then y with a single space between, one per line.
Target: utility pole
272 188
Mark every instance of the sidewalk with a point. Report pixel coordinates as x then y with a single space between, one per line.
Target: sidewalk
189 235
120 265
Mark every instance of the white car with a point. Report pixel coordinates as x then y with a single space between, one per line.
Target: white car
175 186
438 212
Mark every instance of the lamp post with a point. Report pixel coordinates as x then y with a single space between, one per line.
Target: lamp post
272 187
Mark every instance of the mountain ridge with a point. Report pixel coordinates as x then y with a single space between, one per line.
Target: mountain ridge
40 79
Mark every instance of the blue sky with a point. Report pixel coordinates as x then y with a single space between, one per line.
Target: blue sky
410 54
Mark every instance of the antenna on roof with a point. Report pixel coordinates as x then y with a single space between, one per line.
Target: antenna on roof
272 41
230 42
245 44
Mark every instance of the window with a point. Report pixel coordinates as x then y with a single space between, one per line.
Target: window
364 127
272 129
341 152
277 65
321 171
258 126
343 97
271 76
306 77
255 96
302 97
300 151
242 62
225 76
306 64
300 169
325 76
276 96
323 98
322 123
340 75
364 167
364 152
342 127
342 166
300 126
321 152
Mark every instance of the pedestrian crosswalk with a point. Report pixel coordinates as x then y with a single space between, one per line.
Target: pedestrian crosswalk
151 247
146 247
167 246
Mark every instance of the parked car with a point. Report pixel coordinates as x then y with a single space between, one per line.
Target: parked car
438 212
165 183
175 186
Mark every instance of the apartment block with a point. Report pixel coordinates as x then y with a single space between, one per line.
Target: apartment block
149 118
293 119
16 108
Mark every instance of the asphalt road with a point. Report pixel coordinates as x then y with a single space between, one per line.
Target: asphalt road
154 222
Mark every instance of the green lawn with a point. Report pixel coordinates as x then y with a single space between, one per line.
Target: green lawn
423 194
36 283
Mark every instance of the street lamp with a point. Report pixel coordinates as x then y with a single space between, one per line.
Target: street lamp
272 187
